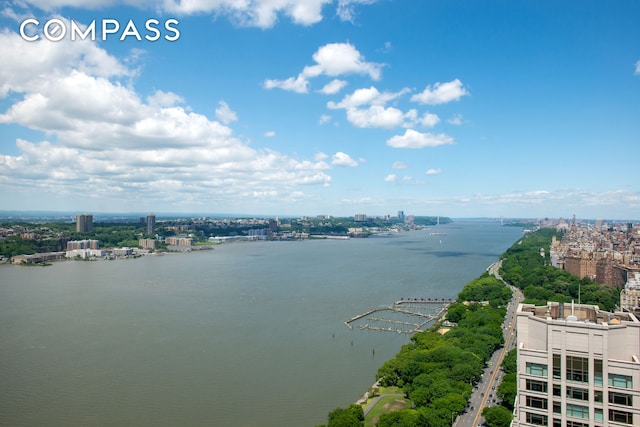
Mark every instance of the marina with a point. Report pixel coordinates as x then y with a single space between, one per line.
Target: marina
406 316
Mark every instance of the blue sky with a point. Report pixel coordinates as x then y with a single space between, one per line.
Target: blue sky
308 107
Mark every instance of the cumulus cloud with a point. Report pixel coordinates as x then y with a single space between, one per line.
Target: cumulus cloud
250 13
433 172
429 120
324 119
270 134
164 99
638 68
333 87
456 120
415 139
225 114
333 59
441 93
343 159
392 177
399 165
376 116
293 84
346 9
106 141
51 59
366 96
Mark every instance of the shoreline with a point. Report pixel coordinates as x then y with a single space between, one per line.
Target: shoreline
369 400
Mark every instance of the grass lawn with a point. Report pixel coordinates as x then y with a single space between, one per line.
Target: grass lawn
395 402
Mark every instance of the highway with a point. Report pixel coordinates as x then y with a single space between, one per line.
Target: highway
484 394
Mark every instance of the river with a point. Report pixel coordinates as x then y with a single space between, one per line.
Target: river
247 334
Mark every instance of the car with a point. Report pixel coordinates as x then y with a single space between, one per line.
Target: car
493 388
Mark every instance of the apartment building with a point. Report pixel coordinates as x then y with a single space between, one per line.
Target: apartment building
577 367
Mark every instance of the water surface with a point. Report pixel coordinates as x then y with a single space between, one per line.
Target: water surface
248 334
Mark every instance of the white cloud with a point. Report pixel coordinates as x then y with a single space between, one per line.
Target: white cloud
429 120
225 114
637 67
336 59
441 93
270 134
333 87
375 117
333 59
399 165
324 119
366 96
51 59
456 120
346 10
253 13
298 84
415 139
164 99
391 178
343 159
320 156
105 143
433 172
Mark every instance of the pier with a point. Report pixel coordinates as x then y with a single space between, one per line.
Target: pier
406 316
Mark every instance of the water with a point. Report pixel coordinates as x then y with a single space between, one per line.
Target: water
249 334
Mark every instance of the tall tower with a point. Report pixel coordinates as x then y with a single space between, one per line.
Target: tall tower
84 223
151 223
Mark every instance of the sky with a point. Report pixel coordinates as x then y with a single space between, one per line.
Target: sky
495 108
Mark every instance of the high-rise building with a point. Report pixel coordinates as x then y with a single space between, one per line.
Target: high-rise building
151 223
84 223
578 366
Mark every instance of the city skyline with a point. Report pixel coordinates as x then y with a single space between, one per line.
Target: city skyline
325 107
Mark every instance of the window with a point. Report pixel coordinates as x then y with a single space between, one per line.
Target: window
557 423
557 390
577 369
536 369
597 414
576 424
536 419
534 385
620 399
597 372
617 380
577 393
536 402
557 407
620 416
577 411
597 396
557 371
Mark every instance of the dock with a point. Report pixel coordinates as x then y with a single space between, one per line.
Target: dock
414 314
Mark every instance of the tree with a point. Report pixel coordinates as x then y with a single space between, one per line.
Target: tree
352 416
497 416
404 418
510 361
508 389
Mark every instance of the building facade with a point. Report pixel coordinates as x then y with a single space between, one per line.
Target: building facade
151 223
577 367
84 223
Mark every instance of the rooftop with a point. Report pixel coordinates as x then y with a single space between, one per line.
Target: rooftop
583 313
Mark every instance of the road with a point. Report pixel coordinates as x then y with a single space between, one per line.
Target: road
484 394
